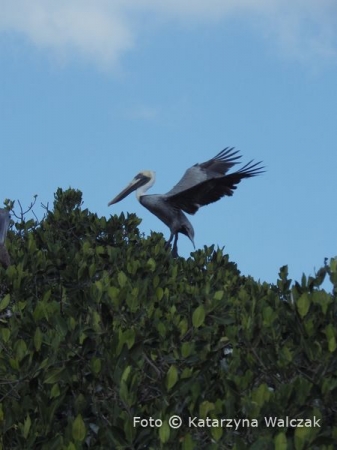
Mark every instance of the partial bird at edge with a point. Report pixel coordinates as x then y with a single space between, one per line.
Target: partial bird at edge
4 225
201 185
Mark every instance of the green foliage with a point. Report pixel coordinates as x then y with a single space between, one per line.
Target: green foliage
100 325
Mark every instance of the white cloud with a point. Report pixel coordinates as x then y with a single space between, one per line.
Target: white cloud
304 29
102 30
88 28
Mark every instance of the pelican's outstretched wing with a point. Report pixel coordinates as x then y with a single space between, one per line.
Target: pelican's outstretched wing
214 168
4 224
213 188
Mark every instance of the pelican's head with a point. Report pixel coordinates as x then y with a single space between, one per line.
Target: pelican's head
142 182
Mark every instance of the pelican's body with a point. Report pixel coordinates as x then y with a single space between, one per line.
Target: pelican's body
174 218
201 184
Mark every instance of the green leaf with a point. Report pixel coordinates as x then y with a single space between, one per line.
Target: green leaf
98 291
113 292
205 408
38 339
122 279
133 300
186 373
31 244
80 404
198 316
159 293
161 329
124 393
187 443
126 374
100 250
186 349
332 344
151 265
301 437
323 299
5 302
330 334
54 375
286 354
129 337
156 281
164 432
78 429
46 296
171 377
129 431
86 248
20 349
268 315
5 334
71 446
55 391
92 270
280 441
26 426
218 295
96 365
333 265
183 327
216 432
261 395
303 304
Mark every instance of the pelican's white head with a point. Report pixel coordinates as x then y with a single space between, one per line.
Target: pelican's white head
142 182
149 178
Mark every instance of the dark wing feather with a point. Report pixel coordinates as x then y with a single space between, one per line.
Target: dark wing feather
211 190
215 167
222 162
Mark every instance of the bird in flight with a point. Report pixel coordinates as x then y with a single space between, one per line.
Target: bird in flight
201 185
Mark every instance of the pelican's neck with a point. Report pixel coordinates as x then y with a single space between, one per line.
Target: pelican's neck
142 189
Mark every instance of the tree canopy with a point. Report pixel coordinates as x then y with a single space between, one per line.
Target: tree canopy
105 337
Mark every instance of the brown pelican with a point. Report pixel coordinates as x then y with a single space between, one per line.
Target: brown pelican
201 184
4 224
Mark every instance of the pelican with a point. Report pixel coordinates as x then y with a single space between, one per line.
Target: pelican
201 185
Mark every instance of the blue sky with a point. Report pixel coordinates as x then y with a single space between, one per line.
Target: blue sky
93 92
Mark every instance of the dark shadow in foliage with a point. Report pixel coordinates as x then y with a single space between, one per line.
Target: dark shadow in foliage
103 325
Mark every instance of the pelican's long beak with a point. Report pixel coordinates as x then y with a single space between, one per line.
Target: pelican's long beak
137 182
